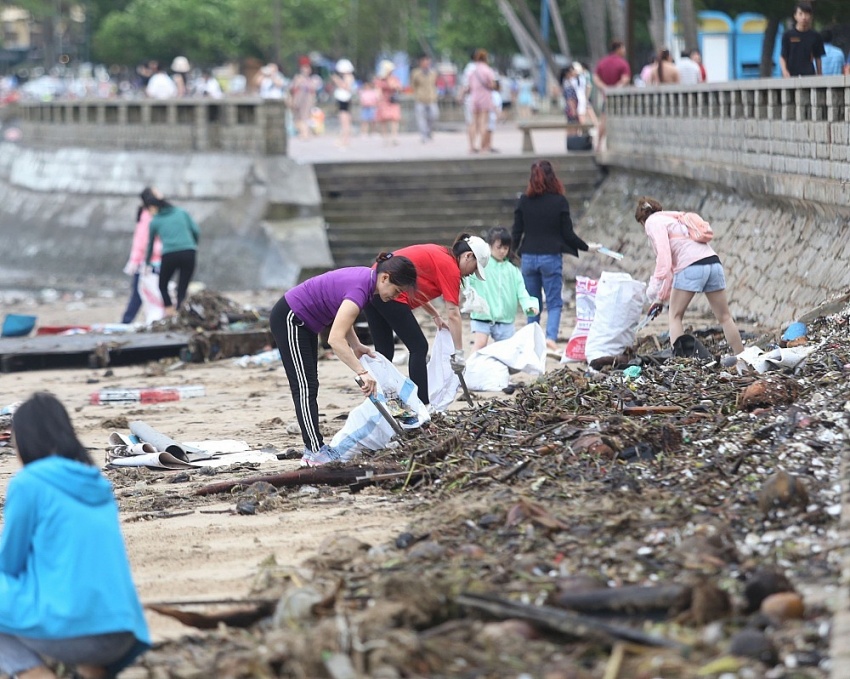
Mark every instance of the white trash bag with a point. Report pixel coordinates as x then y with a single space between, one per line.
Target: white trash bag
152 304
619 304
442 381
487 368
365 428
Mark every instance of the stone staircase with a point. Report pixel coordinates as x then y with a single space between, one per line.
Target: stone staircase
371 207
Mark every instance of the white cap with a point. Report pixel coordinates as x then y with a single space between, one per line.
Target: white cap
481 251
180 65
344 66
385 68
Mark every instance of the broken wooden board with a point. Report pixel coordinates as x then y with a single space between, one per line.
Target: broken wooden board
92 350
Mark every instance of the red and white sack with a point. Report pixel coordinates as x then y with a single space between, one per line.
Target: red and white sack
585 311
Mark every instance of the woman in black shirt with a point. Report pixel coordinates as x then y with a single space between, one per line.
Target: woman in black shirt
543 231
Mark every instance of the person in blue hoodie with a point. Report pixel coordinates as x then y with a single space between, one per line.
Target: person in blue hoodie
66 593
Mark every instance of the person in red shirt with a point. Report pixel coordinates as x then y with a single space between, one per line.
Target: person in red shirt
439 271
611 71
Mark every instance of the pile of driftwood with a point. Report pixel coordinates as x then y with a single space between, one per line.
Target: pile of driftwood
596 526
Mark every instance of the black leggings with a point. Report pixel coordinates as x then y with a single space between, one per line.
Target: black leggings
388 317
299 352
182 262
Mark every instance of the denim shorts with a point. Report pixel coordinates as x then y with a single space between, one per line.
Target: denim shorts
700 278
498 331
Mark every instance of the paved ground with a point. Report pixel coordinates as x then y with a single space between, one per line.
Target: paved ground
445 144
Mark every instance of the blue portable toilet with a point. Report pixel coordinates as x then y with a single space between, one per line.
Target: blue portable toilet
715 33
749 38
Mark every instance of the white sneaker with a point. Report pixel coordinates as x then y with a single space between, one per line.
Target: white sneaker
325 455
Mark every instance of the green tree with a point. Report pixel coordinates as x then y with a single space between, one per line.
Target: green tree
202 30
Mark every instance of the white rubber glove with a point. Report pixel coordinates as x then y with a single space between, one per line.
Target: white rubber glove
130 269
457 362
594 246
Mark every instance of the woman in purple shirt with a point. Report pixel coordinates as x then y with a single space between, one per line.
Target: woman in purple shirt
333 299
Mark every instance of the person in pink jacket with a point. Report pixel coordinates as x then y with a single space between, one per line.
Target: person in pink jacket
684 267
136 263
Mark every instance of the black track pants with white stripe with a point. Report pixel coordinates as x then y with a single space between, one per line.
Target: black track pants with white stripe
299 352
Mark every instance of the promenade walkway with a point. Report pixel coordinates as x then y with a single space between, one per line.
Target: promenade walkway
448 144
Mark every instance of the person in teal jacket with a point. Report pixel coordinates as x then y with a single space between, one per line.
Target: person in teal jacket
503 291
66 593
179 235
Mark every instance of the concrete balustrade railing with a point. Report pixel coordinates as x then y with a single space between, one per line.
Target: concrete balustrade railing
249 125
782 137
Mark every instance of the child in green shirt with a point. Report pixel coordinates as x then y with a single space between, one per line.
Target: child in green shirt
503 290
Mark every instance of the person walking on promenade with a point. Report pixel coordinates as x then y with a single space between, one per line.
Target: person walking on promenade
389 108
684 267
302 93
482 82
160 85
542 232
666 72
343 81
832 62
423 80
180 67
802 47
439 273
68 594
611 71
503 290
136 263
369 96
179 235
333 299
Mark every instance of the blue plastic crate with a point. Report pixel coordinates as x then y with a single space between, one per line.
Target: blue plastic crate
18 325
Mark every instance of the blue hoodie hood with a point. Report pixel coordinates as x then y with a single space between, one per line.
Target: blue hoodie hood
82 482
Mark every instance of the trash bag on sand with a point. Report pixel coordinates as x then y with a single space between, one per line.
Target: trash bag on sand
152 305
619 302
365 428
487 368
442 382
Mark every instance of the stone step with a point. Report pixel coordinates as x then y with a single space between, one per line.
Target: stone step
356 212
447 185
373 207
340 236
454 167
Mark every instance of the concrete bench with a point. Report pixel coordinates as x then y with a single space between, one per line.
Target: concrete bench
528 125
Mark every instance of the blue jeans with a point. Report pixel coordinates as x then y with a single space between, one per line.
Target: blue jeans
135 302
545 274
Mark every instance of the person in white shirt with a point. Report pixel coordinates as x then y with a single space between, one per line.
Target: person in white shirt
689 70
161 86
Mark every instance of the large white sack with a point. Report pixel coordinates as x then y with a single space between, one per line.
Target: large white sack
485 373
619 302
487 368
365 428
442 382
525 351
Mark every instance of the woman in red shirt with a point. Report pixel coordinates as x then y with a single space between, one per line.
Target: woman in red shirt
438 274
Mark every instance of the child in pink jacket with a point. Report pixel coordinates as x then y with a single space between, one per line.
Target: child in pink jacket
684 267
136 263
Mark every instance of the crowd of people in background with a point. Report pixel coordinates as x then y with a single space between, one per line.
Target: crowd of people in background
369 101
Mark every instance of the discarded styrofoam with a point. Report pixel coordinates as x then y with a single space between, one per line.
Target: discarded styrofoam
271 357
146 395
776 359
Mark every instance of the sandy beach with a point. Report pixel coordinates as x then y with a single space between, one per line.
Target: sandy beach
183 554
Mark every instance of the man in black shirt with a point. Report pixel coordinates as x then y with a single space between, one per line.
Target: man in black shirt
802 47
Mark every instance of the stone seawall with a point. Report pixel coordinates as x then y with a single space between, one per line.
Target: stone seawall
67 215
782 257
